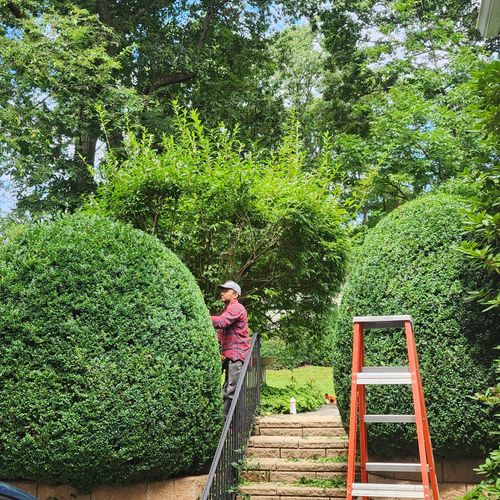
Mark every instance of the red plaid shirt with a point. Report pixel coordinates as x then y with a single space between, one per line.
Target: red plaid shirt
232 331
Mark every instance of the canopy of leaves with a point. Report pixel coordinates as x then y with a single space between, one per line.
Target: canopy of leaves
228 213
124 56
408 264
109 367
483 222
394 97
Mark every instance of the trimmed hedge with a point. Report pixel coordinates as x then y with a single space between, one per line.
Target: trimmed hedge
109 365
409 264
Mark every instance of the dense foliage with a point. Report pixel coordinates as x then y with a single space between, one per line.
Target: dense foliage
384 78
489 487
313 344
409 265
277 399
483 221
483 241
129 57
267 223
109 366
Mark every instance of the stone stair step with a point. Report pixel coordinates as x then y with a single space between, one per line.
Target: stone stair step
299 431
297 442
258 476
280 470
283 491
298 421
299 453
279 464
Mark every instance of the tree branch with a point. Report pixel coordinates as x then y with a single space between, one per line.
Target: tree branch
163 80
15 10
206 24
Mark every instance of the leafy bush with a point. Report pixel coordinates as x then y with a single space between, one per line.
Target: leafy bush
409 264
271 223
277 399
489 487
109 365
305 350
312 345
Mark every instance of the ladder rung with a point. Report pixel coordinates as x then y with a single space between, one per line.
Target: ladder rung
384 375
393 467
392 419
387 490
397 321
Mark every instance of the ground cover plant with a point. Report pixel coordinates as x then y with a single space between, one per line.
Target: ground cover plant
109 366
277 399
409 264
336 482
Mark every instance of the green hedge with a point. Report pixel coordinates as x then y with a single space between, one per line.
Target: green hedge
409 265
109 367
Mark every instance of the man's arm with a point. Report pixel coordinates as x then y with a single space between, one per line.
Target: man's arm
228 317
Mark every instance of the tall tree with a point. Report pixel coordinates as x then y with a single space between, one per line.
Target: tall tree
299 75
395 97
268 223
128 57
54 71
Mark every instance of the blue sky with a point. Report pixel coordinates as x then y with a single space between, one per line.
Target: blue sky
7 198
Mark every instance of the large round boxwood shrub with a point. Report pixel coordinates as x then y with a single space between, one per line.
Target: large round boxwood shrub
109 367
409 264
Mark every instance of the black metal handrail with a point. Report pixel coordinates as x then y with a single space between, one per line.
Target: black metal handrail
222 481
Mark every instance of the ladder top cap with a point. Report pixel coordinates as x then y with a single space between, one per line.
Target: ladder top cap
396 321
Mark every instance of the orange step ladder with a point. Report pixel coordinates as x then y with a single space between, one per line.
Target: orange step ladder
377 375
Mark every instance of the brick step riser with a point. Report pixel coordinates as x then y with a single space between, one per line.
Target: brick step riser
301 432
307 453
261 476
288 492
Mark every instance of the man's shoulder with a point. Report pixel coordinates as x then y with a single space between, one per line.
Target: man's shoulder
238 307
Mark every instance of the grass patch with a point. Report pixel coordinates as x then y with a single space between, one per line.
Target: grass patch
320 376
336 482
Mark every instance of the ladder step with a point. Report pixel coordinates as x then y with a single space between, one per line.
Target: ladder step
387 490
392 419
393 467
397 321
378 375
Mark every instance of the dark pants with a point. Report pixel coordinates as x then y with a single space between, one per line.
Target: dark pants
232 371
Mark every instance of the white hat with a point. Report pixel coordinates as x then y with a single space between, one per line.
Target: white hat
231 285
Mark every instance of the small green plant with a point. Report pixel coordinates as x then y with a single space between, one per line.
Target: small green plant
336 459
336 482
489 487
277 399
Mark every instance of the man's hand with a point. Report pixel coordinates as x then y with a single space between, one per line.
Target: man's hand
222 358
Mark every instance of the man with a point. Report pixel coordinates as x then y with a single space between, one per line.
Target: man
232 333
